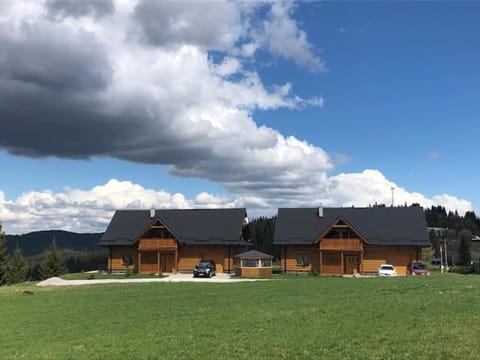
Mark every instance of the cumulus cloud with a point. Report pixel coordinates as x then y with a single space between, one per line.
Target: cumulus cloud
161 82
95 86
91 210
214 25
64 8
87 210
283 37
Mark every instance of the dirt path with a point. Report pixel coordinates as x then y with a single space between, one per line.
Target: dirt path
220 278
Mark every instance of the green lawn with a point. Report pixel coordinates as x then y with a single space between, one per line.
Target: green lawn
435 317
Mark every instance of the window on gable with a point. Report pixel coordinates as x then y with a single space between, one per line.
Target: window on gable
302 260
342 233
158 233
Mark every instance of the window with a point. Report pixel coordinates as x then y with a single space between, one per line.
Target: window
158 233
341 233
266 263
149 258
302 260
249 262
127 259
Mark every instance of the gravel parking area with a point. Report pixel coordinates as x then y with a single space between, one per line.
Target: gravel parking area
219 278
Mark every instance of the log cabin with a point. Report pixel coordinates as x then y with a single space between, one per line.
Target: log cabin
339 241
165 241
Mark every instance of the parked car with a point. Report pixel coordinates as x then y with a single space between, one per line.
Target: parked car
204 268
387 270
418 268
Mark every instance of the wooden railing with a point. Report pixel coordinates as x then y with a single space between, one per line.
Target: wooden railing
341 244
154 244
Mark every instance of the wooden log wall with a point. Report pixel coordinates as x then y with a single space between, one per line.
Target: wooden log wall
189 256
398 256
253 272
311 252
116 261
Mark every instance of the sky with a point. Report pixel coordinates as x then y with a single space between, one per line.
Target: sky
135 104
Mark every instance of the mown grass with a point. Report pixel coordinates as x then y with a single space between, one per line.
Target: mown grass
433 317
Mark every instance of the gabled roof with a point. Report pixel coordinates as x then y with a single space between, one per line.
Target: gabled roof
192 226
377 225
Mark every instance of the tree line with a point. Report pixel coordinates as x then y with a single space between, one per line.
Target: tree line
454 233
15 268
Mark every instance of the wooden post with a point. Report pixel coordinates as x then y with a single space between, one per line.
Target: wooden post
342 263
321 262
361 262
176 261
158 262
139 261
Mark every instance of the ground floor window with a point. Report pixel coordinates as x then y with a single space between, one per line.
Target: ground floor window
332 259
302 260
266 263
127 259
250 262
149 258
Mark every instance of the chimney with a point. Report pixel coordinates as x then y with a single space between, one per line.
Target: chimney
152 213
320 211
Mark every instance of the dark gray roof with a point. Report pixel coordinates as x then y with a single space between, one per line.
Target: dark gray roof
253 254
377 225
192 226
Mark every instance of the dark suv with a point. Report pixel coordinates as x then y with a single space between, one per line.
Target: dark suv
204 268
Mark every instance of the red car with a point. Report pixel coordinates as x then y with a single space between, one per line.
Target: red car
418 268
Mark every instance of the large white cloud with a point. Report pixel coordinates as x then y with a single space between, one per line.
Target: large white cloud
162 83
91 210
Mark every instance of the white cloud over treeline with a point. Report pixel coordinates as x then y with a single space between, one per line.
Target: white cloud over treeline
91 210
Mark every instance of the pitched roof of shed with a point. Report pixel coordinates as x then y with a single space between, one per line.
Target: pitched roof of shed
377 225
199 226
253 254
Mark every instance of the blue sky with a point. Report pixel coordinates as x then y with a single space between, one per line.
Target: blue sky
261 105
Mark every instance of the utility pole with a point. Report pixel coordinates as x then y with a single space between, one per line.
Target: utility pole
441 259
393 190
446 257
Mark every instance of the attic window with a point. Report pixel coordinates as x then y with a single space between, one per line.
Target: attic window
158 233
341 233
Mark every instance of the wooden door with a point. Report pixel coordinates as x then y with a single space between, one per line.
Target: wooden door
352 264
167 262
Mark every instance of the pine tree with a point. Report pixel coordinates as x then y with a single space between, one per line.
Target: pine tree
3 257
53 264
17 267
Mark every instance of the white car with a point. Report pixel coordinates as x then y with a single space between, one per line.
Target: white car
387 270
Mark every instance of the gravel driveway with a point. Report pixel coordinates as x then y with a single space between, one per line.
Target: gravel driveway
220 278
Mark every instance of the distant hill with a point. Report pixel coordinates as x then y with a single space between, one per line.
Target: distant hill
35 243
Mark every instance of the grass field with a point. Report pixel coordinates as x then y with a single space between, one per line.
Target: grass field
435 317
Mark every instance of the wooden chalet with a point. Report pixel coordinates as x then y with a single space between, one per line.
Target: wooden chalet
338 241
157 241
